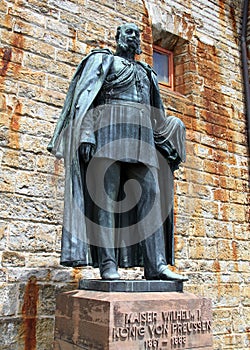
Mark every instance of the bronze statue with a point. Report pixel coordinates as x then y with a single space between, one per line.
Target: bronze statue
120 152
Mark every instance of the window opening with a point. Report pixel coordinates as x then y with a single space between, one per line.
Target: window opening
163 65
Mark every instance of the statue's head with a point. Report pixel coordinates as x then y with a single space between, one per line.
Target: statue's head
128 37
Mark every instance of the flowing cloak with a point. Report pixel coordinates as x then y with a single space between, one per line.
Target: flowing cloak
169 135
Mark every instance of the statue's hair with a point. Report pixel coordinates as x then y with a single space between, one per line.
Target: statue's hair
118 30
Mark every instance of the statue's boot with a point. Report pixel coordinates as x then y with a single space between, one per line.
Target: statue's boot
155 266
168 275
107 264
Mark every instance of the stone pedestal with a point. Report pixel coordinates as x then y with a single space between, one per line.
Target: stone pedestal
97 320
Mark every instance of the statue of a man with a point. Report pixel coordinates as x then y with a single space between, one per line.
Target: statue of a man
120 152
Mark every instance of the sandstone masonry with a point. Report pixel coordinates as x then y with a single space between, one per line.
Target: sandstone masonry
41 43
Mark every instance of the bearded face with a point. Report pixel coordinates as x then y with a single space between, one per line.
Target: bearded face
128 38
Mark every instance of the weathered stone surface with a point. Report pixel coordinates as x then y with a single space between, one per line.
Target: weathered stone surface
10 333
41 44
8 300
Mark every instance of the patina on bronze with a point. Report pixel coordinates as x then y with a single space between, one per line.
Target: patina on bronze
113 129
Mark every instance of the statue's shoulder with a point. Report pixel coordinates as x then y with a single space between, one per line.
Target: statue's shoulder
95 55
101 51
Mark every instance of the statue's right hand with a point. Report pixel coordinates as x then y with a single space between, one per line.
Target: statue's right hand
86 151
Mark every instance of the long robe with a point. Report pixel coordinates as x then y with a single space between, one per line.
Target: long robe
169 134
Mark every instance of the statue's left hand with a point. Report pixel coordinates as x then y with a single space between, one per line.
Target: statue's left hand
86 151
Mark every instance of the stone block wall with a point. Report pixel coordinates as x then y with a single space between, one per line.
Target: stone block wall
41 43
248 39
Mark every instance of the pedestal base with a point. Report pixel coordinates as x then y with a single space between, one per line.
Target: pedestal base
93 320
132 286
